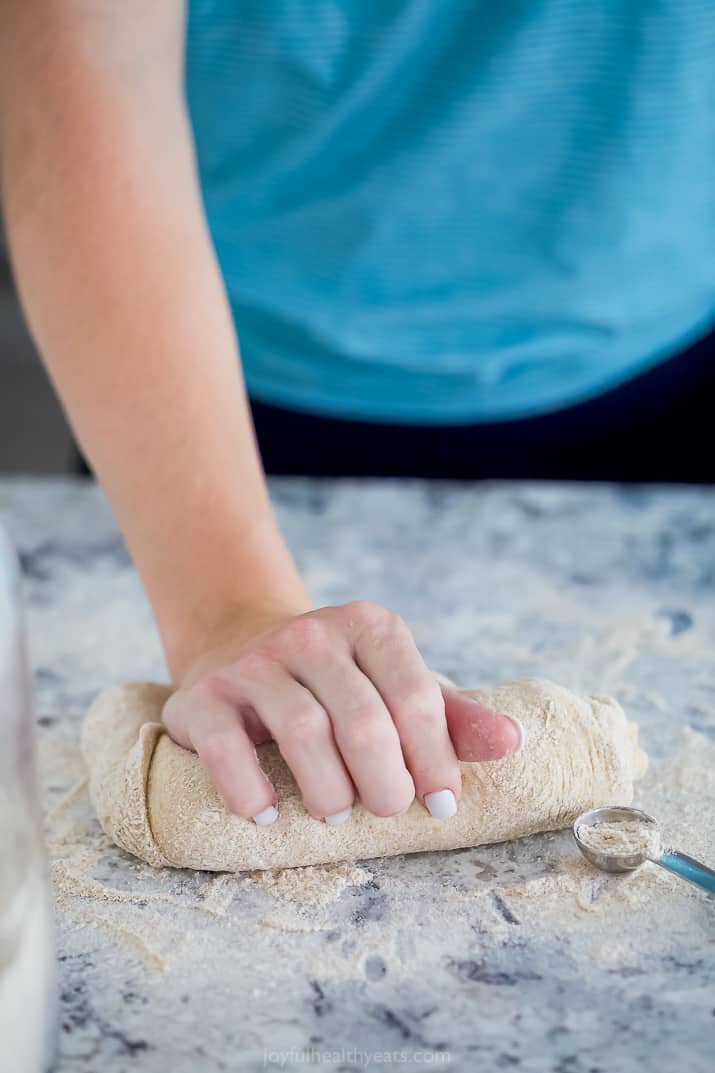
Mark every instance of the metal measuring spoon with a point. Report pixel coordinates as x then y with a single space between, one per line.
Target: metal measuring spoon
611 860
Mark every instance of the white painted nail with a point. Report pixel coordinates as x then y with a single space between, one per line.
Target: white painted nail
339 817
441 804
522 732
269 815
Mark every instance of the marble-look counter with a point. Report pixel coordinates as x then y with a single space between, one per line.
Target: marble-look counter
516 956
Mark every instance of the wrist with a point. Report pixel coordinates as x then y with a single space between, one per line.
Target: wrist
229 606
209 648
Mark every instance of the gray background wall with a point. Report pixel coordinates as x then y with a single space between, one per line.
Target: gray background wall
34 437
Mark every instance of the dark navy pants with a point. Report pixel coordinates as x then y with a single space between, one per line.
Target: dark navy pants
657 427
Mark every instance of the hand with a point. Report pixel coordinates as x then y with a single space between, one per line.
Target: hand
352 706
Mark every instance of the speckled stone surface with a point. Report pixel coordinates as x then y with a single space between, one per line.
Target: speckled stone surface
506 957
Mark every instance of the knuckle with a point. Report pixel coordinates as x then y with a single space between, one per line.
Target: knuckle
215 747
398 626
185 710
420 708
380 628
366 734
308 727
305 635
364 614
390 630
253 664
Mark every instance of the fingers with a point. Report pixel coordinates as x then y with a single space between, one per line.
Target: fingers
479 733
348 699
364 732
387 653
303 732
206 722
368 741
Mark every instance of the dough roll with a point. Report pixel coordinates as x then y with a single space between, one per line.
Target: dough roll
154 800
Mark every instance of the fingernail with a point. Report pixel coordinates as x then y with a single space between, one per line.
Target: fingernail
441 804
522 731
269 815
339 817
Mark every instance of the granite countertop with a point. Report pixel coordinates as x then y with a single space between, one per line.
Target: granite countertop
516 956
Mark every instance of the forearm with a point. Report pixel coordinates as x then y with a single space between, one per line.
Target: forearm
126 304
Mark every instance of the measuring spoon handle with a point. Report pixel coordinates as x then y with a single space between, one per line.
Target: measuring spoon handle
688 868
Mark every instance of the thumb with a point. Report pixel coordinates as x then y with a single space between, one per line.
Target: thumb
477 732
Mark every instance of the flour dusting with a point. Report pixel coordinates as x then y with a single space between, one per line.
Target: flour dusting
348 921
316 885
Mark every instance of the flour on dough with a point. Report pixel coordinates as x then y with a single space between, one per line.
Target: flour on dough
153 798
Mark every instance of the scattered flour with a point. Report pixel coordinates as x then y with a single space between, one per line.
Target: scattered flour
135 938
347 921
316 885
68 881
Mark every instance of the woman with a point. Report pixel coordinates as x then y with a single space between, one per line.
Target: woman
456 239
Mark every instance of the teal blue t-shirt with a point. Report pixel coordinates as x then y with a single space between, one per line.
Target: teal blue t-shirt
437 212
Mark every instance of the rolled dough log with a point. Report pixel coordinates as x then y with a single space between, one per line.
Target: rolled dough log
153 798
